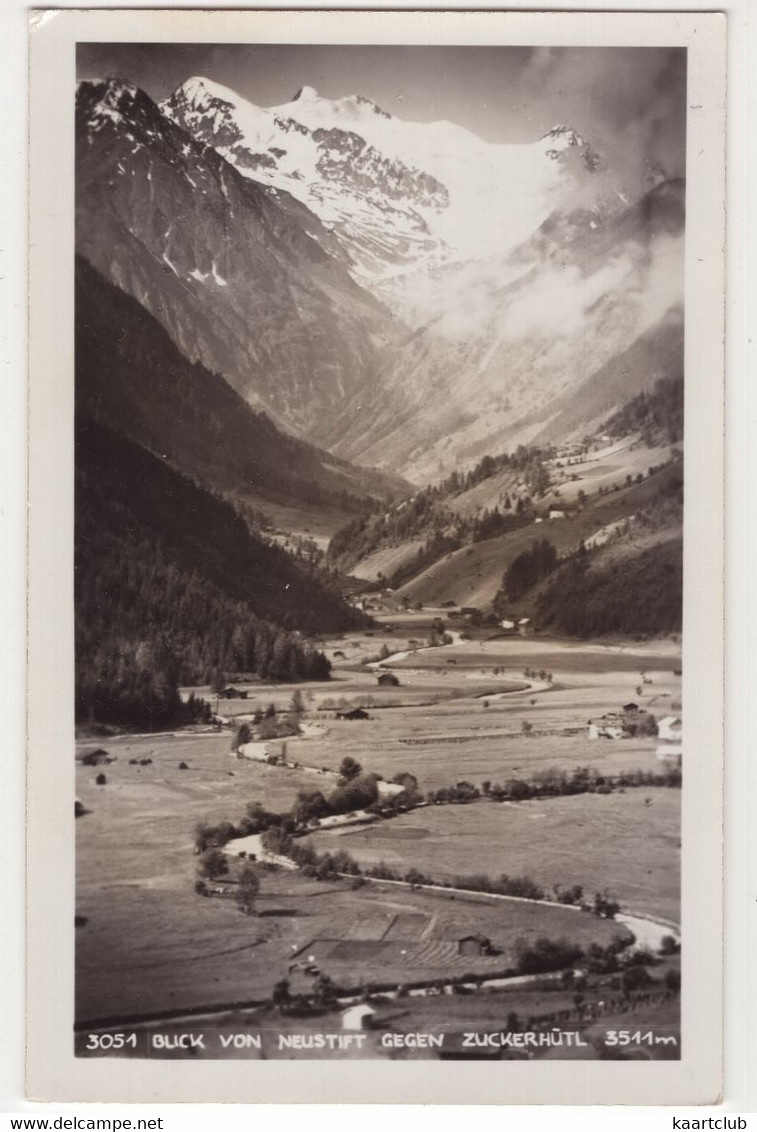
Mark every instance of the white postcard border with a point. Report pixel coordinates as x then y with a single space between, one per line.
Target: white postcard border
53 1072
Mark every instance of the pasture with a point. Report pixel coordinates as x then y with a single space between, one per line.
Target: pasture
627 843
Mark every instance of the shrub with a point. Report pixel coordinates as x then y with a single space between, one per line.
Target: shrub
673 981
546 955
213 864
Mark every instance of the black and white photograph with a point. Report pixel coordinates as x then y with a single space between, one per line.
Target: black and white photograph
380 482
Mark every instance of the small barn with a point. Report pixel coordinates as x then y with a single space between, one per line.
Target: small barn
388 680
97 758
508 625
525 627
357 1017
630 709
474 944
557 514
356 713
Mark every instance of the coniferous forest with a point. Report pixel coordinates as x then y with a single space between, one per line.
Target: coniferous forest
171 587
639 595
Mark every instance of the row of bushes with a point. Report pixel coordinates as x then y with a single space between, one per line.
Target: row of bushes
554 782
330 866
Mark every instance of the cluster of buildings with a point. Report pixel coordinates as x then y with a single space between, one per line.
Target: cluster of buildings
631 721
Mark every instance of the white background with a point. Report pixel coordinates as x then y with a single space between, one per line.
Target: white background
741 775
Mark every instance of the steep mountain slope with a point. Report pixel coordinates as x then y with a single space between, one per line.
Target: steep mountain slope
528 286
487 371
131 377
244 279
657 353
195 530
171 587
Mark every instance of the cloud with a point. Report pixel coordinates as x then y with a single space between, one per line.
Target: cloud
630 103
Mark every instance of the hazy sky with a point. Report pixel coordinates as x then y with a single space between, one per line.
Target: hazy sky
631 101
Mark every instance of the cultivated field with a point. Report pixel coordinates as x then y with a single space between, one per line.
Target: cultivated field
148 944
627 843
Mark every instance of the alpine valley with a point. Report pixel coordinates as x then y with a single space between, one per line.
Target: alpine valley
379 522
341 323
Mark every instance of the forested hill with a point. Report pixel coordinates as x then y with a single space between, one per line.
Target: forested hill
171 585
443 516
131 377
657 415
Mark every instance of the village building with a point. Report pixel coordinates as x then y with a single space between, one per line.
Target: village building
670 731
388 680
508 625
610 726
623 724
357 1017
525 627
557 514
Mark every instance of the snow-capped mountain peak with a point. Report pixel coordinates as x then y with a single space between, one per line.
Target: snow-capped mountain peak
562 136
564 141
398 194
109 99
305 94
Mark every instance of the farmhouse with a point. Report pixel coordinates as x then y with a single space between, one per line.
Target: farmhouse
232 694
623 724
669 729
474 945
507 624
525 627
339 655
388 680
610 726
357 1017
557 514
